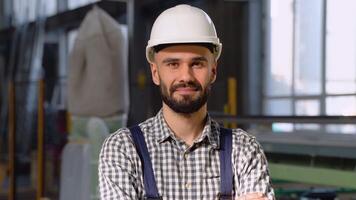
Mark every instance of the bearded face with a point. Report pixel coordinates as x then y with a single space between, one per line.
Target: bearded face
184 74
185 104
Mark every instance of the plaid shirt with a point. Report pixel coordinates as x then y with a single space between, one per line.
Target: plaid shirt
182 172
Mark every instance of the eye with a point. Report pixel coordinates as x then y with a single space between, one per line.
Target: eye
173 64
198 64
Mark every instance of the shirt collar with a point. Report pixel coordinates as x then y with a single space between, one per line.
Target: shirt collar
210 131
164 132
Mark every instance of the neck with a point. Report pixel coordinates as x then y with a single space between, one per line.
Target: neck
187 127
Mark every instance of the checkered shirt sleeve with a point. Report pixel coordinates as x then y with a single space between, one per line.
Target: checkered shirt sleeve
119 177
250 166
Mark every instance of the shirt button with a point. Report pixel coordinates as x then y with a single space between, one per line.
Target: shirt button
188 185
185 155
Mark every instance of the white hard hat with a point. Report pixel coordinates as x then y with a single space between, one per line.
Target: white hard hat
183 24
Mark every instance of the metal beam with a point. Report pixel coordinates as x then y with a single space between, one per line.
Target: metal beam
320 176
322 149
284 119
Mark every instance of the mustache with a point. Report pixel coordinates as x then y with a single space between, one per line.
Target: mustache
190 84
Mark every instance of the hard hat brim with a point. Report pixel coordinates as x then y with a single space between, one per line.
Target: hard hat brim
150 48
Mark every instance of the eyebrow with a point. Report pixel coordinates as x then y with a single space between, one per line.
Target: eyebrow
169 60
201 58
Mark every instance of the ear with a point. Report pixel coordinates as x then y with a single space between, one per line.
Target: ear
154 73
213 72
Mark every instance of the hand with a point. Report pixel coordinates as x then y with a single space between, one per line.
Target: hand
253 196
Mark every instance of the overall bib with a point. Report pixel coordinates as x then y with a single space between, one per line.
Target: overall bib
226 175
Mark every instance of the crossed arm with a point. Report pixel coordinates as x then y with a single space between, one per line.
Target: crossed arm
252 181
253 196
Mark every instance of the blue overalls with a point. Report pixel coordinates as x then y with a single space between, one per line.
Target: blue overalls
226 176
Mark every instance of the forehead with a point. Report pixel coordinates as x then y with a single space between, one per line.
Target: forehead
183 52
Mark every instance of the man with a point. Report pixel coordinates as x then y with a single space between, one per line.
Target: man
182 153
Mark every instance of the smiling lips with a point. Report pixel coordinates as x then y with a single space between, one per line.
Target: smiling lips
186 90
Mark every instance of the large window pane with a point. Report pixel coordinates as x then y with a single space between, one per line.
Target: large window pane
72 4
51 7
278 107
307 108
280 62
345 106
308 46
29 10
24 10
341 47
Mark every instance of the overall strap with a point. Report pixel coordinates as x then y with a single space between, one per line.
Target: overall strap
148 176
226 175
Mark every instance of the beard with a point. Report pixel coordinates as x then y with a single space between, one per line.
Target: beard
187 104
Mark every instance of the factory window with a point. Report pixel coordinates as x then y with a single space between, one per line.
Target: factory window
29 10
311 61
72 4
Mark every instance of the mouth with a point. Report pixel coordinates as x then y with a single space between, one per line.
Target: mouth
186 90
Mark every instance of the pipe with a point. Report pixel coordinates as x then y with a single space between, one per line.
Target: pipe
12 142
40 141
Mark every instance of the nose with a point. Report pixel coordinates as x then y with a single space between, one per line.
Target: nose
186 73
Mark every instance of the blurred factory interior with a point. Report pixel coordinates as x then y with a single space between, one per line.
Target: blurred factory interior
287 75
